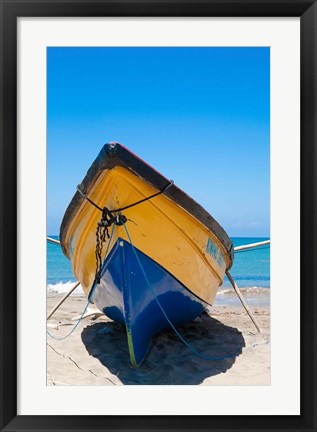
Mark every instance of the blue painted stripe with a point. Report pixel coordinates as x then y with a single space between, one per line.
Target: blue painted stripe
125 297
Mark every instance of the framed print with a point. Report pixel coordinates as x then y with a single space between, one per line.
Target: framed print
221 98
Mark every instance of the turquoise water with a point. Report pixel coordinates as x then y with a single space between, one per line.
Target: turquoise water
251 272
251 269
59 269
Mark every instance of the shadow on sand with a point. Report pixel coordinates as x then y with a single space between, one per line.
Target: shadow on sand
169 361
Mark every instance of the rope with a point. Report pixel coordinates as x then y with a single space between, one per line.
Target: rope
165 315
73 329
145 199
88 199
130 205
89 297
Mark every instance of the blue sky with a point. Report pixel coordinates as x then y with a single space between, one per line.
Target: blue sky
201 116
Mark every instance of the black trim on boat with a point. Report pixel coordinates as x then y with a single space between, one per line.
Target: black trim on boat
115 154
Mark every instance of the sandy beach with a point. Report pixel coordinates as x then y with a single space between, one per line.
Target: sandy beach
96 353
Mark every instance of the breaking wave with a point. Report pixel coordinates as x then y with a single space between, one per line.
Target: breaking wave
245 291
63 287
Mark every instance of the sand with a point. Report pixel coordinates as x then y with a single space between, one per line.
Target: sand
96 353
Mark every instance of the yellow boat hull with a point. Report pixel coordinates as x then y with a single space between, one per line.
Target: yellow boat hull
161 230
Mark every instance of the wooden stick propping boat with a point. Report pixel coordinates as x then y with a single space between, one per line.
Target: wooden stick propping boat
181 249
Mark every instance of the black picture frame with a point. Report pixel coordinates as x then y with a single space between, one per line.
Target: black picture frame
10 11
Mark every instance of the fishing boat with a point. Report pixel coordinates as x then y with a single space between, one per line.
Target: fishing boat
146 254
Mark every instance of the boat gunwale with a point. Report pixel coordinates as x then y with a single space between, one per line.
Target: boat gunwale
114 154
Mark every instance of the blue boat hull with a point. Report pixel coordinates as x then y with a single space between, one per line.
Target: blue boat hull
124 295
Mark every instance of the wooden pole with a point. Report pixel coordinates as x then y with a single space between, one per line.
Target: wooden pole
251 245
62 300
51 240
246 307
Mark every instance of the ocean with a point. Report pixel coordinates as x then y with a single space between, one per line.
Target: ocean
251 271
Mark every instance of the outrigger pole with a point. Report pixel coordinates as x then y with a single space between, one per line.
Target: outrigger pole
63 299
54 241
244 304
251 245
235 287
51 240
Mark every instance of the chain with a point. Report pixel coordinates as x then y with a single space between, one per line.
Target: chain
102 232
